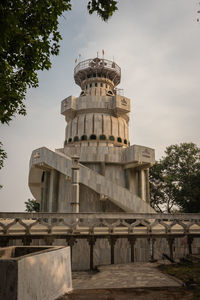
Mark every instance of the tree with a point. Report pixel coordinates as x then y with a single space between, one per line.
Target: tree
29 36
175 179
32 206
162 198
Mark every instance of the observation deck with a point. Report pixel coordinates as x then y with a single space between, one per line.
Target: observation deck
97 67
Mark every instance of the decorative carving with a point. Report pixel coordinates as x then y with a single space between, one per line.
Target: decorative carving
107 224
146 153
37 155
123 102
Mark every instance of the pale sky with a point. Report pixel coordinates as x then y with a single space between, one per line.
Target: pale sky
157 45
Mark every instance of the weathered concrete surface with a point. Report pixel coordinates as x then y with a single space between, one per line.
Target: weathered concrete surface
133 275
139 281
120 196
43 275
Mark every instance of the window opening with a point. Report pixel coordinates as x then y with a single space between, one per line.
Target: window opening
84 138
119 139
76 139
102 137
93 137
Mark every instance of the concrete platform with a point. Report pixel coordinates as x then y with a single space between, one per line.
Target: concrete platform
139 281
133 275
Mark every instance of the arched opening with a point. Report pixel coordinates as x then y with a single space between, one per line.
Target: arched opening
125 141
84 138
76 139
102 137
111 138
69 140
65 143
93 137
109 93
119 140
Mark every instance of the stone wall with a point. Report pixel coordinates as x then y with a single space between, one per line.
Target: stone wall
122 250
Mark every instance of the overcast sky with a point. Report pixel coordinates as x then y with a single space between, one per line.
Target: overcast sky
157 45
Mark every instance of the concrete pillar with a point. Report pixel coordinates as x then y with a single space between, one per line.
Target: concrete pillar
147 188
151 249
42 198
132 241
75 184
127 178
189 241
53 191
170 241
45 196
91 241
71 241
141 188
112 240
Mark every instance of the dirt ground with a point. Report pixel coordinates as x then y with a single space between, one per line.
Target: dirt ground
139 281
130 294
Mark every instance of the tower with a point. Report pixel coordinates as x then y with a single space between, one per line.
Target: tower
112 175
99 116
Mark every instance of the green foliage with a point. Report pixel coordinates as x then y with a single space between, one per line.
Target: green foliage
32 205
29 36
104 8
175 179
188 272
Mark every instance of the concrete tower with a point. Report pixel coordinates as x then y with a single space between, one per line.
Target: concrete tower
97 170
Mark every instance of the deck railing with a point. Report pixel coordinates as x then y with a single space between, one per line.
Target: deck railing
98 223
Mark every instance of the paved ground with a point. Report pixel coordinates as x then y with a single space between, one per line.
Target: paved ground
140 281
135 275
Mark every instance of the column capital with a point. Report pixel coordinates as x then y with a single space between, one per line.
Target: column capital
91 240
112 240
132 240
71 241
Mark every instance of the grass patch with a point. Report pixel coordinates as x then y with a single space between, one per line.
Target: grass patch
188 272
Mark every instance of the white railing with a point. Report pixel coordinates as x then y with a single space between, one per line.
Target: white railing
98 223
103 63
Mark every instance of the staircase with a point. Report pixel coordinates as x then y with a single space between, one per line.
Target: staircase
122 197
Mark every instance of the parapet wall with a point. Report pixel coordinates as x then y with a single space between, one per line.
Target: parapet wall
104 238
